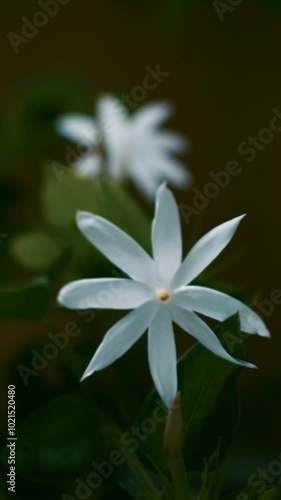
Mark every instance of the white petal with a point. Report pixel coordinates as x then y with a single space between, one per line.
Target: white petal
191 323
111 112
205 251
89 165
162 355
121 337
112 119
168 141
143 179
78 128
152 115
166 235
220 306
117 246
168 169
104 293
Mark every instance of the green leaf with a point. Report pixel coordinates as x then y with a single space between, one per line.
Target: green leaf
59 441
26 302
209 401
36 250
65 193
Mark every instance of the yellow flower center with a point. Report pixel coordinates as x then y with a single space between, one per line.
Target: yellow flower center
163 295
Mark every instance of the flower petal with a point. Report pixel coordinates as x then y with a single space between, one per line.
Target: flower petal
104 293
78 128
205 251
191 323
166 235
220 306
117 246
162 355
89 165
121 337
143 178
169 169
152 115
113 118
166 140
110 112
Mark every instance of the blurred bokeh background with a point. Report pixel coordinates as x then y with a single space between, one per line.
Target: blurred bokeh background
225 80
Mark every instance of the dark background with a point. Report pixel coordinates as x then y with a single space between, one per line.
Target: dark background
225 80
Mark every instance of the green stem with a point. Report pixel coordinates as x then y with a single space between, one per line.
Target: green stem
179 477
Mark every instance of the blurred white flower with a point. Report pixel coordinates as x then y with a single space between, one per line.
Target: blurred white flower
159 292
133 146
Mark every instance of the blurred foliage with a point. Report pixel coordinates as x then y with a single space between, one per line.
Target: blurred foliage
59 440
65 193
27 121
62 246
36 250
31 301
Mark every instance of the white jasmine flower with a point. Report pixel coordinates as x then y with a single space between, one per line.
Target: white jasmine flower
158 291
128 146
